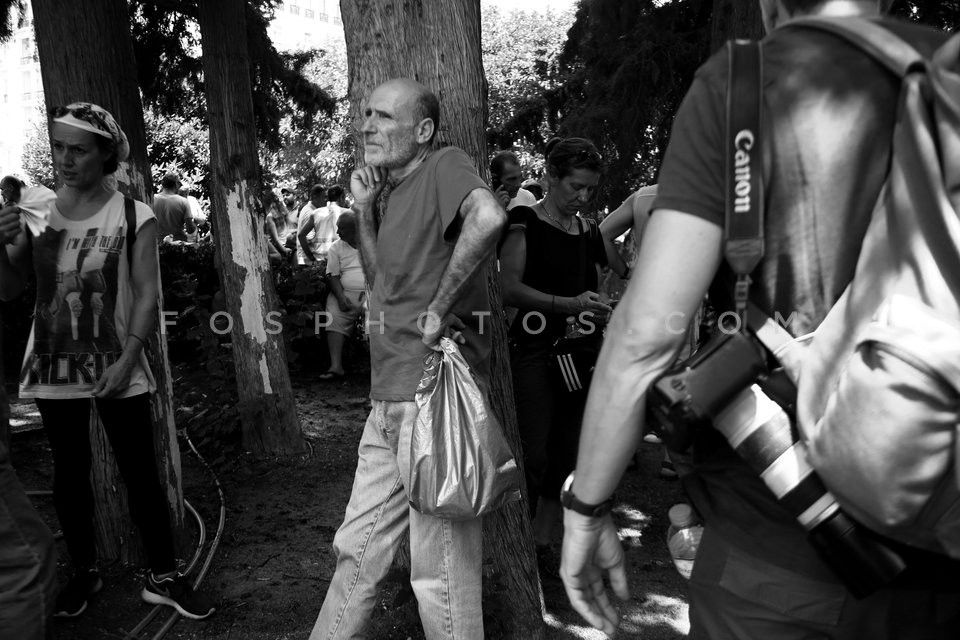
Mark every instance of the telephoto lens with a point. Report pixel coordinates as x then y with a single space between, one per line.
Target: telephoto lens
762 433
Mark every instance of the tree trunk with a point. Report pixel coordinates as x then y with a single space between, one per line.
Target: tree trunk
86 53
735 19
437 42
268 415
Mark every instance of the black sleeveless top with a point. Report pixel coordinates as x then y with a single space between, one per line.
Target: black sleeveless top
558 264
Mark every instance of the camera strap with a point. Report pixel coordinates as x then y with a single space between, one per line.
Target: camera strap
743 163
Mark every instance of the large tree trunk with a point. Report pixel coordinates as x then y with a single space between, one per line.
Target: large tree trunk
268 415
735 19
86 54
437 42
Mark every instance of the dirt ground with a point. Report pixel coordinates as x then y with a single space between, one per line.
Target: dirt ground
275 560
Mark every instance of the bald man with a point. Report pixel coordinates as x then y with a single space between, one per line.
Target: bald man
426 225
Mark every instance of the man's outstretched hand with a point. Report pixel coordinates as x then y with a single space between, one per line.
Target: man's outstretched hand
591 547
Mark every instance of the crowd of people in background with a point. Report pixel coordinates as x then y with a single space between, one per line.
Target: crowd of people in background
409 242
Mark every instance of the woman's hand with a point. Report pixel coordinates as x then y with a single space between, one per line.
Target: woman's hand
590 301
115 379
9 224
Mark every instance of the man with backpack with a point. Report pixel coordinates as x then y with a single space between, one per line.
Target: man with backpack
829 111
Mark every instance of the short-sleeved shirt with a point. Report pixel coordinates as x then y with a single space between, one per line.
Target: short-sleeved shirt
829 111
523 199
172 212
306 213
417 234
84 304
344 261
325 229
559 264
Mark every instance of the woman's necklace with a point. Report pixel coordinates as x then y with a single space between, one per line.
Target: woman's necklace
566 227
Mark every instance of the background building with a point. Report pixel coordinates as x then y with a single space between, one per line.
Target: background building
21 94
307 24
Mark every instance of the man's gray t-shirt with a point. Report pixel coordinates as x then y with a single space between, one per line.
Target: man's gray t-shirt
415 242
171 211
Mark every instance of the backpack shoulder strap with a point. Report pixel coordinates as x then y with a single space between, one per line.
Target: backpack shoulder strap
882 44
130 214
948 56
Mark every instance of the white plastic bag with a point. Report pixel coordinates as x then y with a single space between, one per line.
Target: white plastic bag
461 466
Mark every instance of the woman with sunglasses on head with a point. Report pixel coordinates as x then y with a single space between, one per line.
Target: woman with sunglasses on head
97 289
550 260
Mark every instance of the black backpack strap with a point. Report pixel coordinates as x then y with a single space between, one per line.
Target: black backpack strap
869 35
743 161
130 214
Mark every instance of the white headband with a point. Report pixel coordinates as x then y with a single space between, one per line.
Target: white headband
72 121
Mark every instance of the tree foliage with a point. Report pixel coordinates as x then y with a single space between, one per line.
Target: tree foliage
627 65
520 51
167 48
321 153
179 144
943 14
11 16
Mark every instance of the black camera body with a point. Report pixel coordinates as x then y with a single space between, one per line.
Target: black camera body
729 386
691 393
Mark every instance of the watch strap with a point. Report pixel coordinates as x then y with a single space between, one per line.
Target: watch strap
570 501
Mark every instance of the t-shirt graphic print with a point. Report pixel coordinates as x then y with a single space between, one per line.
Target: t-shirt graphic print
83 304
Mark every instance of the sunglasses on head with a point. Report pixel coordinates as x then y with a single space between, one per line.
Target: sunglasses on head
85 113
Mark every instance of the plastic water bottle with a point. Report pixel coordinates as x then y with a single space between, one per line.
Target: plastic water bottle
683 537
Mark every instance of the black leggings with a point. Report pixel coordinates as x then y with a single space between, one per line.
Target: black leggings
130 432
549 420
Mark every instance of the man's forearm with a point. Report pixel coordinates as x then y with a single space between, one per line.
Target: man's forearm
307 251
483 221
367 241
636 352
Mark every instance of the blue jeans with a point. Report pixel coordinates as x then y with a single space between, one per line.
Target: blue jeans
445 555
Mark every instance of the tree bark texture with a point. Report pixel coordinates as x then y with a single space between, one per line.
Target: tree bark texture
86 54
735 19
437 42
268 415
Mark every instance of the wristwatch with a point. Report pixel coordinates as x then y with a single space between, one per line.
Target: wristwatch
570 501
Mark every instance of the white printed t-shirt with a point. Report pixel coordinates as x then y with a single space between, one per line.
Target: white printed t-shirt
84 303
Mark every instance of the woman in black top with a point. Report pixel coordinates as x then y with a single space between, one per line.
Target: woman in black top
550 261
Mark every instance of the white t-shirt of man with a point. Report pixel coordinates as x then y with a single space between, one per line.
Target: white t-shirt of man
524 198
325 229
306 213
